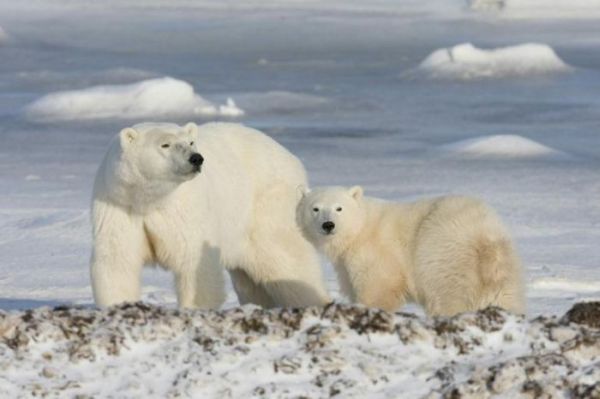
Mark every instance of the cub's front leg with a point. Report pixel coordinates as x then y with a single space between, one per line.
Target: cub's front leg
379 282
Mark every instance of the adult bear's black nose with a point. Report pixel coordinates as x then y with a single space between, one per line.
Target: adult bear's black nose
196 159
328 226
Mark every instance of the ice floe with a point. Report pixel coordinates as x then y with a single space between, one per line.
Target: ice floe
152 98
501 146
465 61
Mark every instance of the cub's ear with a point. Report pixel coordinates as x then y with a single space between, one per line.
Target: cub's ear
128 136
301 191
191 128
356 192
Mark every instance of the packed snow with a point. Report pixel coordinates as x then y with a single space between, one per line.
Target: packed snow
153 98
502 146
138 350
551 283
465 61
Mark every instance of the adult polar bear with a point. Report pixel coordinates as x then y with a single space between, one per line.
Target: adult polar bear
153 204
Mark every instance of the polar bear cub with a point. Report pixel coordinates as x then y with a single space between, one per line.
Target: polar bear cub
449 254
194 200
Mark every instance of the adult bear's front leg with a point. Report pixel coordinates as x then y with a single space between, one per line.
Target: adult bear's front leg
120 249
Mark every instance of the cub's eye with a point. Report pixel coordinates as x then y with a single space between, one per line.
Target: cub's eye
315 209
339 209
165 145
191 143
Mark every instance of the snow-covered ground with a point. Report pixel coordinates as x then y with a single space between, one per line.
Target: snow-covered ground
349 352
331 80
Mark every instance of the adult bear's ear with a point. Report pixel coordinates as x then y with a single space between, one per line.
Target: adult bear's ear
301 191
191 128
356 192
128 136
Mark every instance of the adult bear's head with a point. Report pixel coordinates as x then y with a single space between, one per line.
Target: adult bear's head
147 162
160 152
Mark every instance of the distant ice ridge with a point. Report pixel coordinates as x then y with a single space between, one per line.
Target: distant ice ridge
152 98
486 5
53 78
465 61
502 146
279 101
539 8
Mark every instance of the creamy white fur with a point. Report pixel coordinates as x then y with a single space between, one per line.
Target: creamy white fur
150 206
449 254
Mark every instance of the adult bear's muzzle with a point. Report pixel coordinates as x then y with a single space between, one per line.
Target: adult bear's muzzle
196 160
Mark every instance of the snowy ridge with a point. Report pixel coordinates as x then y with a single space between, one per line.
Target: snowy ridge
465 62
539 8
150 98
562 284
502 146
141 350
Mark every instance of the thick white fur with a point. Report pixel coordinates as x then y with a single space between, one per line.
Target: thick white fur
150 207
449 254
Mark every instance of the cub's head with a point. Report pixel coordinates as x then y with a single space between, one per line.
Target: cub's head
331 215
160 152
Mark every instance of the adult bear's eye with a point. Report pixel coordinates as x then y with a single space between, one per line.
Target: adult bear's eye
339 209
315 209
191 143
165 145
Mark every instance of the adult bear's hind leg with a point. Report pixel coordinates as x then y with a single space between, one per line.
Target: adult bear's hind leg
199 279
248 291
278 259
286 266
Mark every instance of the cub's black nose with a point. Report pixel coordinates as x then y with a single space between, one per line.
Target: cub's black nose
196 159
328 226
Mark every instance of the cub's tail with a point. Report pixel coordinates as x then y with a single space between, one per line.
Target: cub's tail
496 260
500 274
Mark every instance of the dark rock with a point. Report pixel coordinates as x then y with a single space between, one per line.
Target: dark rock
586 313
